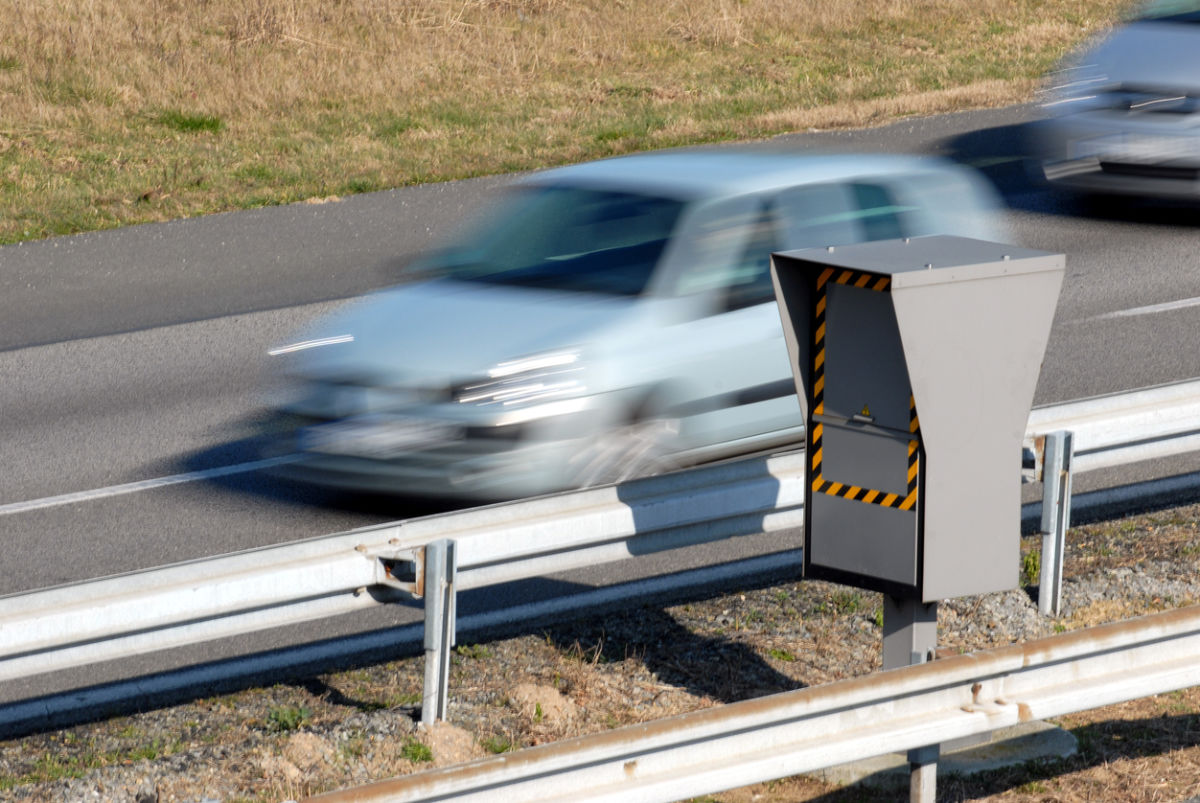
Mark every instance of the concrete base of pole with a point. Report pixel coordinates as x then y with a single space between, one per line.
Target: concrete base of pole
1007 747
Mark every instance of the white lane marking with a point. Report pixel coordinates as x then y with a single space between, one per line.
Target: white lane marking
143 485
1182 303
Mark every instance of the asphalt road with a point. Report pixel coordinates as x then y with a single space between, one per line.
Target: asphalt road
134 362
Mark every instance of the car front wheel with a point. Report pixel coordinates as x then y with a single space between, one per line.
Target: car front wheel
640 448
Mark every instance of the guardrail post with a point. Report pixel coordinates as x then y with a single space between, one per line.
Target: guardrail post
440 604
1056 518
910 637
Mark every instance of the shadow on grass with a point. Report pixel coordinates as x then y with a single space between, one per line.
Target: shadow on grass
715 667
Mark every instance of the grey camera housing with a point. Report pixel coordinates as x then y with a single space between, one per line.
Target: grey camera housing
916 362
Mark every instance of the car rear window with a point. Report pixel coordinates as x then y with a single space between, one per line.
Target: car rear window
568 238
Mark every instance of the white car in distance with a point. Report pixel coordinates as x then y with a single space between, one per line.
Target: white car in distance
1122 114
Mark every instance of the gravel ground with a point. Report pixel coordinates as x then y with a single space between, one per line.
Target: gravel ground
347 728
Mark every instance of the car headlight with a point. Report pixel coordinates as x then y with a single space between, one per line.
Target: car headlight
536 379
1074 88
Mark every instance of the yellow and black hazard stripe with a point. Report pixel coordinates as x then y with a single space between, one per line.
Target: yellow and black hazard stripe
906 501
854 278
868 496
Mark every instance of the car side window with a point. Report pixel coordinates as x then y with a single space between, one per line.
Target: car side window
811 216
729 247
726 249
710 251
817 215
946 203
752 268
881 217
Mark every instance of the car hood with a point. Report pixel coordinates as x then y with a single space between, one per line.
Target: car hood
445 331
1149 55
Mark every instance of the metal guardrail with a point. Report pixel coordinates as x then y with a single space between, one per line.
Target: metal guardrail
786 734
1101 432
58 628
47 630
1123 428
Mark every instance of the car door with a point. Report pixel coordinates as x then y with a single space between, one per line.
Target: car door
746 398
761 408
733 388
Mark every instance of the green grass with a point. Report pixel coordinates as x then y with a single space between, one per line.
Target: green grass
498 744
354 747
202 108
475 652
405 698
286 718
1031 568
845 601
416 751
47 768
190 123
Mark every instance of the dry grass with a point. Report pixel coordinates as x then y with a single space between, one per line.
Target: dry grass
118 111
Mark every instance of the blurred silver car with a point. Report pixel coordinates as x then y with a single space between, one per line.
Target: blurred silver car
1123 114
610 320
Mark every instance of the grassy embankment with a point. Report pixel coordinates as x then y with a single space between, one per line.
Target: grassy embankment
126 111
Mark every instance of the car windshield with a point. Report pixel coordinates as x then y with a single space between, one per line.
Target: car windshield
1170 11
566 238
